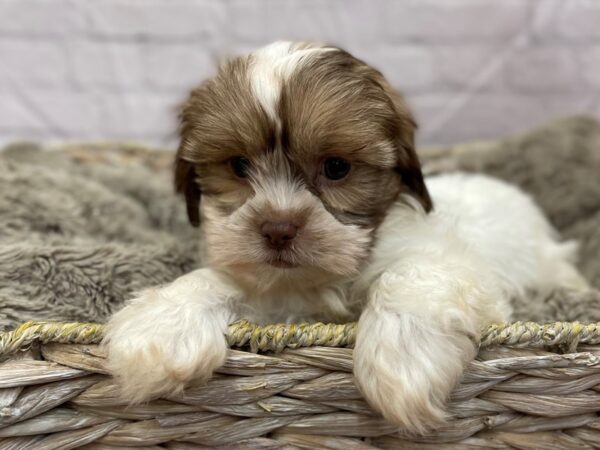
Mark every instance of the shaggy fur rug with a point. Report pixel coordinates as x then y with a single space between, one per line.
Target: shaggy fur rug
82 227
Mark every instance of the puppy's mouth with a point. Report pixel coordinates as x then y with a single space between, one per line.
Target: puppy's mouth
282 261
281 264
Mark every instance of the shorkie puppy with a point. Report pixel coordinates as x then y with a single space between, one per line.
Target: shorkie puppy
298 162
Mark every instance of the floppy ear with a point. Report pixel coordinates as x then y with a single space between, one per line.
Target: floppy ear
408 165
403 127
185 171
185 183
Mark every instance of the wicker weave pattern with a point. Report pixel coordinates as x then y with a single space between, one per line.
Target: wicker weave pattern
57 394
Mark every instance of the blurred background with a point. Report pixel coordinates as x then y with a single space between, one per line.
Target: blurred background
471 69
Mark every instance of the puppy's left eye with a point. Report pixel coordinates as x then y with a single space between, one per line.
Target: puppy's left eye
336 168
240 166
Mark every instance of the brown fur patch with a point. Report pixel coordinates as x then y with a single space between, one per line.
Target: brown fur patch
336 105
220 120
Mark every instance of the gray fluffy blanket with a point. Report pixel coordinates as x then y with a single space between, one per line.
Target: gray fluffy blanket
83 226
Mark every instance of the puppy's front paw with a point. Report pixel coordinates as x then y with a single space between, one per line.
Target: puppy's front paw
157 344
407 371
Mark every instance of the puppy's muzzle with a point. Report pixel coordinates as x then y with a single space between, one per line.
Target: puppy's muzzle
279 235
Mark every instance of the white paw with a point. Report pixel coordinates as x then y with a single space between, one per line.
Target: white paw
407 371
157 344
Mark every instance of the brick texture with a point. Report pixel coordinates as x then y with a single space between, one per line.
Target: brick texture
471 69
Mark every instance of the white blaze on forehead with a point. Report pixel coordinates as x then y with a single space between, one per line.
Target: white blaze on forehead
272 65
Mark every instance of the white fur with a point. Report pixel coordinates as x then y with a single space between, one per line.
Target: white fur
437 279
433 282
170 335
271 66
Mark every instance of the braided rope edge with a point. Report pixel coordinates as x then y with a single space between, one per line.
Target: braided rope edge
277 337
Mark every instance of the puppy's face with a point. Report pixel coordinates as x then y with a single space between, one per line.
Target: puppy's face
297 151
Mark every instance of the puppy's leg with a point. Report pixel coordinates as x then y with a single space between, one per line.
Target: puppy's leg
170 335
418 330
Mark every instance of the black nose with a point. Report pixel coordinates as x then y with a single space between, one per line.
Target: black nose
278 234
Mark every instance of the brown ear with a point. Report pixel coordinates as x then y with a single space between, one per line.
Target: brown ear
402 127
409 166
409 169
185 183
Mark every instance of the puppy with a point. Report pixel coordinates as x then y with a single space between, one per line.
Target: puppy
298 162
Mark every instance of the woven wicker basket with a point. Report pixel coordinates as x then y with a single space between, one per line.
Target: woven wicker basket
533 387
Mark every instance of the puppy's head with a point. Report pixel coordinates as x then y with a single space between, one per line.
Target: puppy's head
291 156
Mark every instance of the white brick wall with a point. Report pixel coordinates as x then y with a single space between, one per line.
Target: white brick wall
76 69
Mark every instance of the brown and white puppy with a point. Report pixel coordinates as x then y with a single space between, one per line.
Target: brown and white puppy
298 162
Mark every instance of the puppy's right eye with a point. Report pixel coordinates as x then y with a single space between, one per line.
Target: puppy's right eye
240 166
336 168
